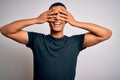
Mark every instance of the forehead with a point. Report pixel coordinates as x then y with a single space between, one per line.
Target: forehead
57 8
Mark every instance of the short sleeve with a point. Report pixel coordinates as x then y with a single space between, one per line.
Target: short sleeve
79 40
33 39
30 39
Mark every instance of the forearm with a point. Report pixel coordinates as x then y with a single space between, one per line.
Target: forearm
17 25
93 28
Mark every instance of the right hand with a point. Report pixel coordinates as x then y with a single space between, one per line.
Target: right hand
42 18
45 17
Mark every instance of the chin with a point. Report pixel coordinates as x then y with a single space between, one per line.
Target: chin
57 30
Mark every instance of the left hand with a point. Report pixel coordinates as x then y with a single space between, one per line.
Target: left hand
66 16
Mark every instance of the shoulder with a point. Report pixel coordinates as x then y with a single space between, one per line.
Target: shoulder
34 37
79 36
35 34
78 39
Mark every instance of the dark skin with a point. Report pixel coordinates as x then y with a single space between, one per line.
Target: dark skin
57 17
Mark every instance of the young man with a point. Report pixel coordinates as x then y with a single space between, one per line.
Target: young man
55 55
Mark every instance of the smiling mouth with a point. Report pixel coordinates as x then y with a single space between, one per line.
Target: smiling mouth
56 24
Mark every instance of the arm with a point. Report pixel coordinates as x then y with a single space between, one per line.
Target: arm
15 32
96 32
14 29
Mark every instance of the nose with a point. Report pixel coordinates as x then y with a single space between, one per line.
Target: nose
57 16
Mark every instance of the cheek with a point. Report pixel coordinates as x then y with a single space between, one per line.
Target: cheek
64 22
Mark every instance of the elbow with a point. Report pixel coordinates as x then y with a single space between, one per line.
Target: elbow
3 32
107 35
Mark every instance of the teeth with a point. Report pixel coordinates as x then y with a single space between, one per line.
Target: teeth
57 23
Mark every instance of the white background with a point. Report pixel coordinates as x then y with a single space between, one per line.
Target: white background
100 62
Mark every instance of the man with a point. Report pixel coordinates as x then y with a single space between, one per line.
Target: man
55 55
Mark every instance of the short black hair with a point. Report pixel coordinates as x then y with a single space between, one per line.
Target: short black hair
57 4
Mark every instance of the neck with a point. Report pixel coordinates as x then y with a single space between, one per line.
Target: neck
56 34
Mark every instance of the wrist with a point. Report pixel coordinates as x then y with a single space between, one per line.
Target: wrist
35 20
75 24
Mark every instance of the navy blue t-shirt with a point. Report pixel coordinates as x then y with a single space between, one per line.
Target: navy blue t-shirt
55 58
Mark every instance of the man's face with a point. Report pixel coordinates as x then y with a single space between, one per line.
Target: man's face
57 25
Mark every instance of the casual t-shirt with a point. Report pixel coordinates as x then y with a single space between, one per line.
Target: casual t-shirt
55 58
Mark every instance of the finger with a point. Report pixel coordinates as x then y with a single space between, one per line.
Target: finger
53 12
63 19
51 16
50 20
63 16
49 12
63 12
